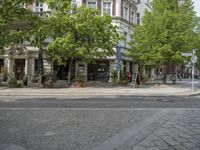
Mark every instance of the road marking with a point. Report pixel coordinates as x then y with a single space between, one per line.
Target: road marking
51 108
22 108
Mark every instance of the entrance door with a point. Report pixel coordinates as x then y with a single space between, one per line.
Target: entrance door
19 68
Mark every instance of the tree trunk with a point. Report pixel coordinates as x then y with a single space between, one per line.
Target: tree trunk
164 76
52 72
40 65
69 72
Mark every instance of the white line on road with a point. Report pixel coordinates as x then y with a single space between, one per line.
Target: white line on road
51 108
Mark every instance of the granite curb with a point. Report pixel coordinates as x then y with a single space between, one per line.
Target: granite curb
95 95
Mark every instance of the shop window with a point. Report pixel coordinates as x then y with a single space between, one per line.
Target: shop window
81 69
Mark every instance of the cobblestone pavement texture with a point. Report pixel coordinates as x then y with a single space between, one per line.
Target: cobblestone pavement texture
179 130
65 129
95 129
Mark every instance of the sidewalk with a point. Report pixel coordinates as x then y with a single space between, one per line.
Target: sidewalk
104 92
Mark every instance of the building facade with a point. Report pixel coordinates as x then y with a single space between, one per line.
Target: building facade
125 14
24 61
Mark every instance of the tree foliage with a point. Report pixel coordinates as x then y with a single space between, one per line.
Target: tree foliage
11 13
76 33
83 35
166 32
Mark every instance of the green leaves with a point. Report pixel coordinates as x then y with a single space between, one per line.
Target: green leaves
85 35
167 31
13 12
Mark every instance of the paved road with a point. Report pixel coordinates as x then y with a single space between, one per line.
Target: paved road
123 102
137 123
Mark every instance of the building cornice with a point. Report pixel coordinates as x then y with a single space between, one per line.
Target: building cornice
123 20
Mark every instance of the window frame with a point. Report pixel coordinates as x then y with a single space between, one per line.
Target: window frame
39 8
126 13
138 18
102 8
132 14
92 2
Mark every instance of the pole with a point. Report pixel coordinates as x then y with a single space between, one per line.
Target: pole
118 59
193 70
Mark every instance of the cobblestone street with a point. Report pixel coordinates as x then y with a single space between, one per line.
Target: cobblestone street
137 123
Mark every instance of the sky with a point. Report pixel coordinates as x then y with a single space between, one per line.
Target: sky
197 6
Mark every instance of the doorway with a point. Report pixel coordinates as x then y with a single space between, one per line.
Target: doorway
19 68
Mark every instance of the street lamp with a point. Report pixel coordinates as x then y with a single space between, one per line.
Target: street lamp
193 60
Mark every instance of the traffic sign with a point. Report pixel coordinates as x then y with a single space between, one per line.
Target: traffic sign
194 59
186 54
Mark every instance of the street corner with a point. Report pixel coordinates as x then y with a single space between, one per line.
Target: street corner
188 93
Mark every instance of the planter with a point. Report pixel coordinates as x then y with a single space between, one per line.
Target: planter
123 82
79 84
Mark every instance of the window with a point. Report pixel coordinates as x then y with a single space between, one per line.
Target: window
138 18
39 8
107 8
125 13
132 17
92 5
125 37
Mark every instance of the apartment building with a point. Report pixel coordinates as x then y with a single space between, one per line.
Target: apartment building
24 61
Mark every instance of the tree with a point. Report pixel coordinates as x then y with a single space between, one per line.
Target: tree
197 45
80 33
13 14
166 32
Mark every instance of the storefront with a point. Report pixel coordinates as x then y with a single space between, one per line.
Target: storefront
99 71
61 71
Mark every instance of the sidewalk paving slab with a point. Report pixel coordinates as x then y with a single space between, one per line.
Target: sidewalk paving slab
92 92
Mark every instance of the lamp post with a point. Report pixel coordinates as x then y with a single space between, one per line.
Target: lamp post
193 62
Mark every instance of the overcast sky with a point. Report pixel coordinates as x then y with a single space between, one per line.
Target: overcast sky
197 6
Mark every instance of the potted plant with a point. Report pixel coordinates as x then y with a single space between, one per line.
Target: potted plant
12 81
123 79
25 81
79 81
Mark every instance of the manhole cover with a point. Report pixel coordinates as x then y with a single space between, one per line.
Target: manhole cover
165 100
